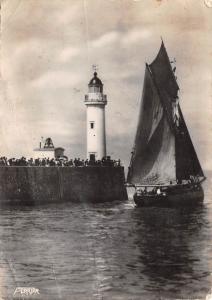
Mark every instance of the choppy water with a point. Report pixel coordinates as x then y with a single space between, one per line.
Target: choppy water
106 251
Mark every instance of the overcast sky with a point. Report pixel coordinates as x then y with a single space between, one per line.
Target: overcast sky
47 51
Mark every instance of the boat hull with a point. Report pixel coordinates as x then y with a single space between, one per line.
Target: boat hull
179 197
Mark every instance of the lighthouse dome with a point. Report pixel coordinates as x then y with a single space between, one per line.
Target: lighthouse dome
95 81
95 85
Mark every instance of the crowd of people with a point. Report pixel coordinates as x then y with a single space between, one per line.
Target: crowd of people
60 162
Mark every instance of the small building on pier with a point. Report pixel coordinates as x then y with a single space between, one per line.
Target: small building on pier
48 150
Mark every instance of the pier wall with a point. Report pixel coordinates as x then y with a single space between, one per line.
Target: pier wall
56 184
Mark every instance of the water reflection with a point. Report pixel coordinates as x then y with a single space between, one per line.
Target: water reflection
109 251
171 244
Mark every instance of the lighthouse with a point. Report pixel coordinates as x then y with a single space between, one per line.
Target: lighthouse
95 102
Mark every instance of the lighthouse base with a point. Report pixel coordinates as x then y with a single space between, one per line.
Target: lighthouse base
37 185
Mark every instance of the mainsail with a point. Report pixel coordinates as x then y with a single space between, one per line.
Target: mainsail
163 151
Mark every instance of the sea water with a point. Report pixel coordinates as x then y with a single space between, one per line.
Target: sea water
106 251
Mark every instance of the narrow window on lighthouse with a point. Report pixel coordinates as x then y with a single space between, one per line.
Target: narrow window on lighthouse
92 125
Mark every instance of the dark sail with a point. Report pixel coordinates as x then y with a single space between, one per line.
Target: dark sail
163 73
163 149
187 163
153 157
165 82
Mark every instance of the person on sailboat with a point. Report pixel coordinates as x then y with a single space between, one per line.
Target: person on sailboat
158 191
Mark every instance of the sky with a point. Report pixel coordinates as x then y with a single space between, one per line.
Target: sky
48 48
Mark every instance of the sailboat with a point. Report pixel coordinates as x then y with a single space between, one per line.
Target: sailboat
164 167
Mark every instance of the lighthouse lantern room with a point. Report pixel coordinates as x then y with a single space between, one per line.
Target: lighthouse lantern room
95 102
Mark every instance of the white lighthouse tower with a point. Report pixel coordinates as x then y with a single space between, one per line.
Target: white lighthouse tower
95 102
